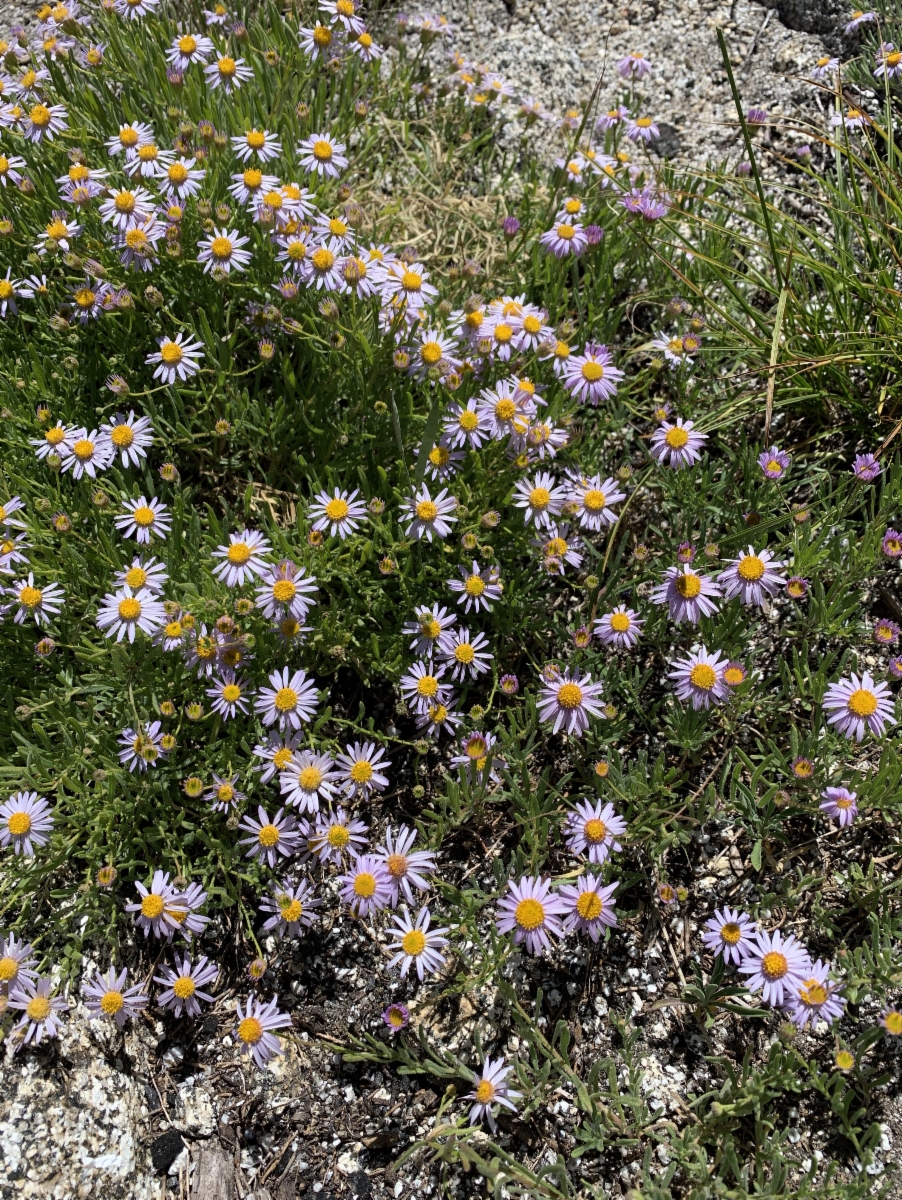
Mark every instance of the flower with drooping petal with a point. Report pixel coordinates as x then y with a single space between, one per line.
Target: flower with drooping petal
415 943
107 996
699 678
776 965
753 577
222 794
407 868
242 558
590 908
689 595
774 463
182 985
254 1031
178 358
858 703
226 72
532 912
620 628
293 909
679 444
866 468
592 829
152 910
335 833
286 590
491 1087
360 768
26 820
40 1009
569 701
366 886
428 516
130 437
270 838
308 779
840 804
817 1000
729 933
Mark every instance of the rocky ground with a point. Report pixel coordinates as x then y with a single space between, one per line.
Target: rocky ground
157 1115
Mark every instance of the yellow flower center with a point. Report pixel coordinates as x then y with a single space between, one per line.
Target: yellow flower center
19 824
84 297
9 969
322 37
733 676
225 793
171 353
620 622
689 586
555 547
893 1023
111 1003
124 202
366 41
143 516
273 200
468 420
281 758
184 987
676 438
426 510
529 914
268 835
250 1031
231 692
284 590
643 122
566 232
38 1009
128 137
7 291
129 608
344 8
57 231
427 685
238 553
187 44
474 585
338 837
227 66
297 251
310 778
439 714
532 324
439 456
843 803
30 597
364 885
40 116
703 676
505 410
286 699
148 153
252 178
503 333
411 281
413 943
477 747
464 653
730 933
54 436
322 258
177 172
361 772
337 509
322 150
485 1092
255 139
539 497
589 905
863 703
595 830
122 436
774 965
592 371
569 695
750 568
152 906
221 248
83 449
813 992
173 629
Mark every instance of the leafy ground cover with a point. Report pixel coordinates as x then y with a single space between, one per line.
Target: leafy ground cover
427 569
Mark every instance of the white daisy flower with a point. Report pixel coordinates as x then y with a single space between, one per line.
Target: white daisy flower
228 73
122 613
259 142
129 437
143 519
177 358
85 453
242 558
340 513
38 604
427 516
289 701
223 251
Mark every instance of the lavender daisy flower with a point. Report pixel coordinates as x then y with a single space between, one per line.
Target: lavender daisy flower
840 805
183 911
407 868
593 829
141 747
540 498
620 628
491 1087
256 1022
26 820
477 588
183 983
153 910
753 577
477 750
825 65
292 909
339 511
428 627
642 129
222 794
892 544
360 769
396 1017
335 833
594 499
421 686
366 888
107 996
416 944
275 755
774 463
32 997
532 913
856 703
286 590
866 468
699 678
678 445
427 517
289 701
270 838
308 779
734 674
230 695
564 239
797 587
776 966
591 376
687 594
646 203
17 961
569 701
755 117
859 18
590 907
886 633
634 65
817 999
242 558
730 933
